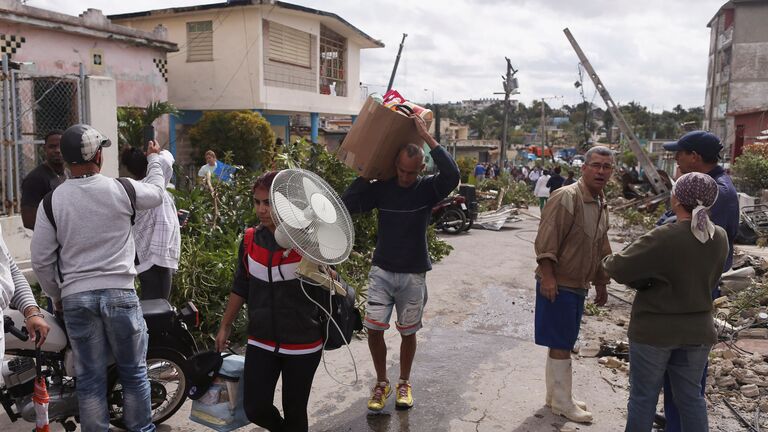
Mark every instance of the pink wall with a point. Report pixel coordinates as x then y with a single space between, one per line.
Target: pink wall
139 80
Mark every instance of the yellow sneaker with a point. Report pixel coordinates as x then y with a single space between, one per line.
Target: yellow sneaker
379 396
404 395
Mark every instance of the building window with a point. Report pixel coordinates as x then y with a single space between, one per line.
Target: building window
332 63
200 41
288 45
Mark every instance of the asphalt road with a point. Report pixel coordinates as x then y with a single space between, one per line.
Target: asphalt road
476 367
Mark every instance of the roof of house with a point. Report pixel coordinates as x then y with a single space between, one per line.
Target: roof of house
731 4
91 23
326 17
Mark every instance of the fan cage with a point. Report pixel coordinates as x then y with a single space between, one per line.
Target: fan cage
291 184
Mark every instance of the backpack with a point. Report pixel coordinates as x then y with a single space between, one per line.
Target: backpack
48 208
346 316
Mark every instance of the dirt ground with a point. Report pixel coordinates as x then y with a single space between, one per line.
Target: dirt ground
476 368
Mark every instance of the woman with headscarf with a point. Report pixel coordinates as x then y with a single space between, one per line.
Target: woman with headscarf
673 268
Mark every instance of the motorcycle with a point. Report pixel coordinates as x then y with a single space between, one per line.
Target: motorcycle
451 215
170 344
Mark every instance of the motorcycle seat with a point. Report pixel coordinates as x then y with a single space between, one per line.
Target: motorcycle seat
158 313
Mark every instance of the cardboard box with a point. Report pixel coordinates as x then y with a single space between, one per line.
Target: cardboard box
374 140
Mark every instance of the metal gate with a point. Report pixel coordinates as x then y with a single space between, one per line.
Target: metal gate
32 105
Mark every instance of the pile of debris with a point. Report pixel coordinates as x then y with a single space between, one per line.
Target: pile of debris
738 371
497 214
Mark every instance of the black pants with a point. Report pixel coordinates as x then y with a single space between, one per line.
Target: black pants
156 283
262 369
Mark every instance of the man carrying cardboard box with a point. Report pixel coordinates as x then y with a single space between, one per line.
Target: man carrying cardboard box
398 273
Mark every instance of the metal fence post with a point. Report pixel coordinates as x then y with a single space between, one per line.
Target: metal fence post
16 145
81 93
8 174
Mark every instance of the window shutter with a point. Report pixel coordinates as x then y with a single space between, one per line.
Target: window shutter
200 41
288 45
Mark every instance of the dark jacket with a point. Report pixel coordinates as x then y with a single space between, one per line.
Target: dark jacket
279 313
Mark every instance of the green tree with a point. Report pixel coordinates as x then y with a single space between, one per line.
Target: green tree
132 120
244 133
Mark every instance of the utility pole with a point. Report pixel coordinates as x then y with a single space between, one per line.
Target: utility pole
397 62
510 88
543 127
649 169
543 131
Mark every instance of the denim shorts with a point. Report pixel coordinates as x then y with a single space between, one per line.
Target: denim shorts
557 323
406 292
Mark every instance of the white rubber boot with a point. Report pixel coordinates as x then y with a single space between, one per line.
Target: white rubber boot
550 379
562 400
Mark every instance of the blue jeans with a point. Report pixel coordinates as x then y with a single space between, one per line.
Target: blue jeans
671 413
105 324
684 364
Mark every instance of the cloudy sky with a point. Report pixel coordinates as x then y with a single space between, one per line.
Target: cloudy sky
653 52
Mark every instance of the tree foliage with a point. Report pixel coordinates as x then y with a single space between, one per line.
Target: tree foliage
751 168
132 120
584 119
244 133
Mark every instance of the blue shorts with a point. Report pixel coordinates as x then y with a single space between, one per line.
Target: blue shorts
557 323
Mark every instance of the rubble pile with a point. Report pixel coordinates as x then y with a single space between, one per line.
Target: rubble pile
738 371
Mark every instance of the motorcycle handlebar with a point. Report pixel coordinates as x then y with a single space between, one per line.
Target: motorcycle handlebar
11 328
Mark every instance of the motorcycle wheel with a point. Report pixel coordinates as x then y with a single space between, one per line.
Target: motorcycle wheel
448 221
468 225
168 387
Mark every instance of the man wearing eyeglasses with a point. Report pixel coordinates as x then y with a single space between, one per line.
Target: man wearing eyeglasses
570 244
699 151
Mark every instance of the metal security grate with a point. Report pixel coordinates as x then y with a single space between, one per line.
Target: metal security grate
31 106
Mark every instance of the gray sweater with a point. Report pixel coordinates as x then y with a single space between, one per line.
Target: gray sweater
93 220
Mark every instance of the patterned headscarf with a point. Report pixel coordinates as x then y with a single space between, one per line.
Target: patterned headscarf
698 191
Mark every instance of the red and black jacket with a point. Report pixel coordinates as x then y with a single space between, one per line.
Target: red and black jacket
280 317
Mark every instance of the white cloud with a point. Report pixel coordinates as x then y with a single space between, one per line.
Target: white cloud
652 51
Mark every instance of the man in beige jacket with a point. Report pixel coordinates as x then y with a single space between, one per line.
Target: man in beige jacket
570 244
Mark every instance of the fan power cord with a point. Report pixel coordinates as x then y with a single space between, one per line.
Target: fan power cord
327 328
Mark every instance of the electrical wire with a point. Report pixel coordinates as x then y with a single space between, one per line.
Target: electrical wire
327 324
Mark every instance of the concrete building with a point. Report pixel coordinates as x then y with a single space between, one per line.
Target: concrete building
64 70
270 56
736 106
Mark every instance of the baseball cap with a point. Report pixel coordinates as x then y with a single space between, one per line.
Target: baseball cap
201 370
80 143
704 143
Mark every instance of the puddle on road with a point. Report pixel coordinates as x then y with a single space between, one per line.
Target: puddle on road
506 312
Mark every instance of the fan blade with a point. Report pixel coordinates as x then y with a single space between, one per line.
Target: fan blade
310 188
331 240
289 213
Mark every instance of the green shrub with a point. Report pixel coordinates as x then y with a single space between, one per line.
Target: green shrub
466 168
244 133
751 172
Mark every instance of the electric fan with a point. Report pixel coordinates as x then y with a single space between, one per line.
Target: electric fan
312 220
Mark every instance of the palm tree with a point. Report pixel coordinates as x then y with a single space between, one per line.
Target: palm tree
483 124
132 120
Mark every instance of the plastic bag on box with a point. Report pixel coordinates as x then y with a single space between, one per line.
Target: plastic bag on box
221 407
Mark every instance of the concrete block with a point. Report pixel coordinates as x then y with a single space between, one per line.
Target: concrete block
726 382
750 391
754 333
